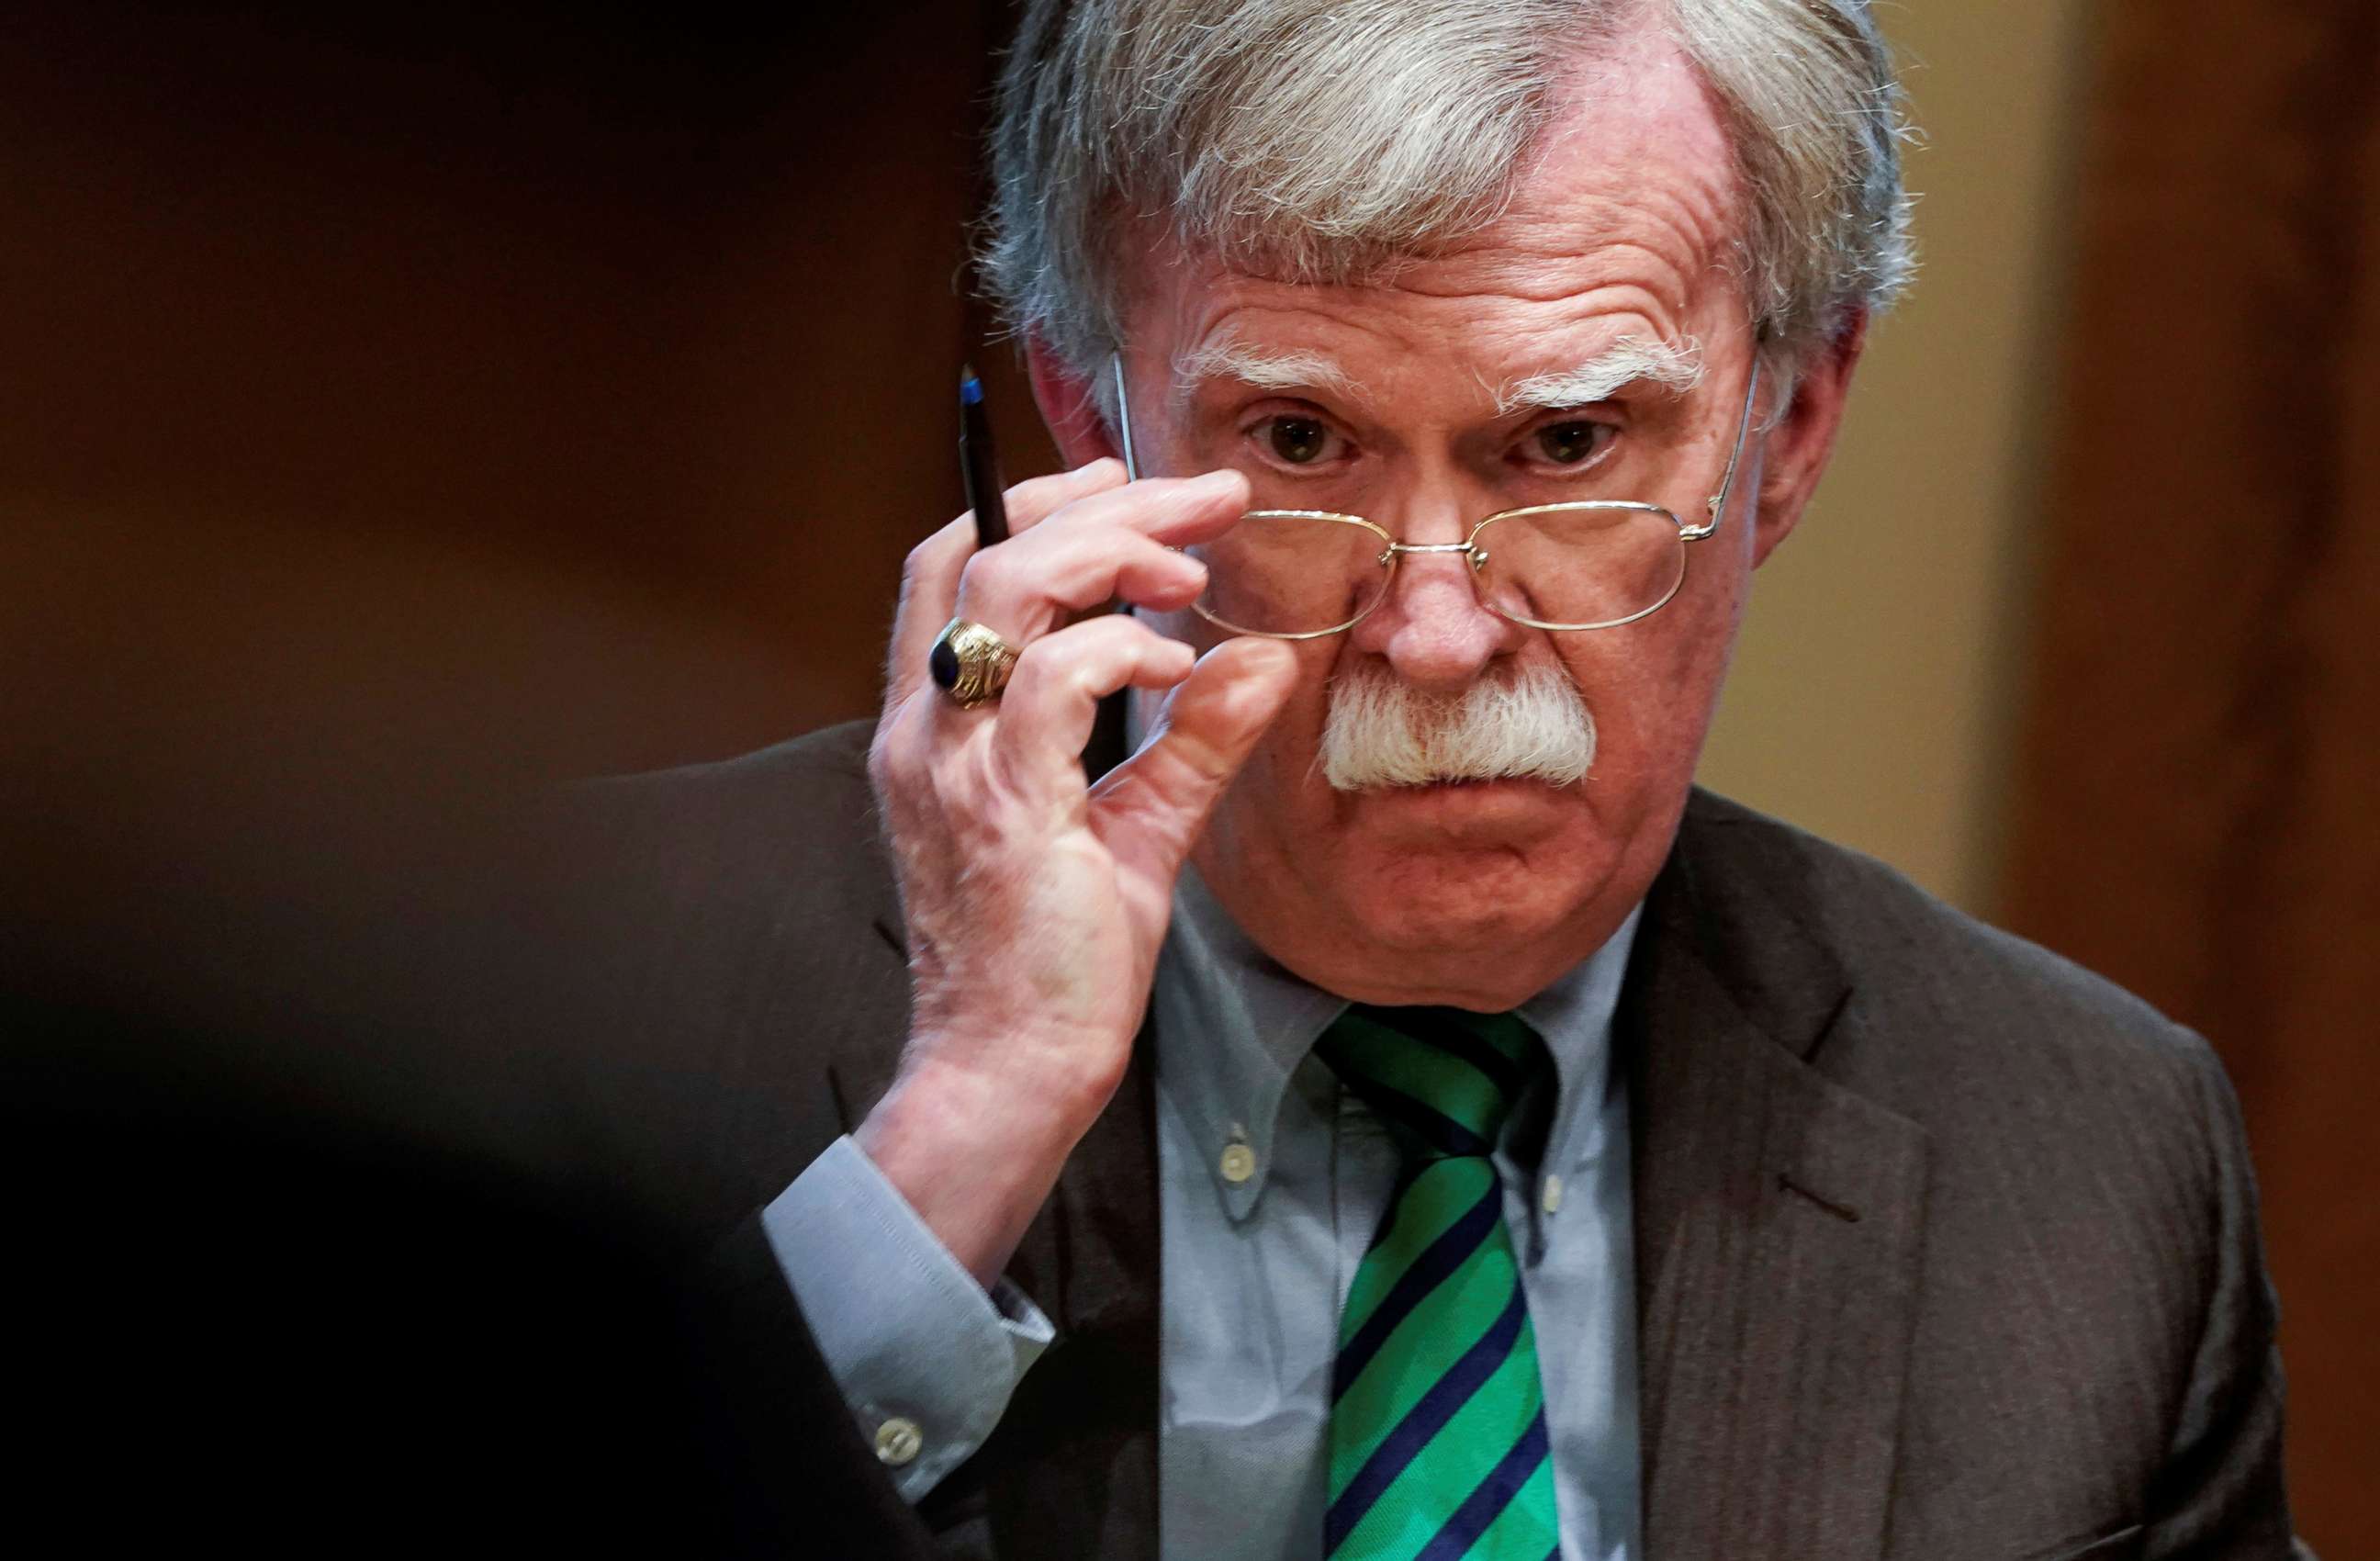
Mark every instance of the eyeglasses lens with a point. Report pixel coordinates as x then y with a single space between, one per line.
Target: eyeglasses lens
1277 574
1579 566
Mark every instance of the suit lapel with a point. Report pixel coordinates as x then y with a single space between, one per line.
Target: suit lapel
1083 1485
1777 1220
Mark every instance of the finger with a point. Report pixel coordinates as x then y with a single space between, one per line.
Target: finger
929 580
1024 588
1177 512
1114 543
1151 808
930 583
1046 714
1032 502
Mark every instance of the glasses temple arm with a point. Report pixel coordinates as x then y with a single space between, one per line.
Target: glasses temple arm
1734 455
1124 418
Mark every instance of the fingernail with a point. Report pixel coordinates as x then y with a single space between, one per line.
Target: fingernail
1281 657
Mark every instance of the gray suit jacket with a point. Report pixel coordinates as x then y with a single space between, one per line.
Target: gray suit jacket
1947 1249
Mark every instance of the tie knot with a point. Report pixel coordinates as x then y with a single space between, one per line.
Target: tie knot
1447 1076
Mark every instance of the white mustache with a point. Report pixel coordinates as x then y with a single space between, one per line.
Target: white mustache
1381 731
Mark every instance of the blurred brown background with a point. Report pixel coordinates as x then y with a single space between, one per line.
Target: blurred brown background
406 406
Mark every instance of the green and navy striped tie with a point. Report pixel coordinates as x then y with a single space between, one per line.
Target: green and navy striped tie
1437 1416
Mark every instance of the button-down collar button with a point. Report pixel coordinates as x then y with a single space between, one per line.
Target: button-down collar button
898 1442
1552 1196
1238 1164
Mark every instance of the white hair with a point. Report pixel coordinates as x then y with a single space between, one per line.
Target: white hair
1382 732
1321 139
1265 371
1630 360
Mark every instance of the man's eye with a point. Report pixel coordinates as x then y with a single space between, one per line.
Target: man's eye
1298 441
1567 444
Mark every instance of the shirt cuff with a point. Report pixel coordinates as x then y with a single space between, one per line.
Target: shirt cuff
926 1358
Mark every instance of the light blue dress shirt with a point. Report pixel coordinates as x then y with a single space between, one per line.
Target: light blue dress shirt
1273 1181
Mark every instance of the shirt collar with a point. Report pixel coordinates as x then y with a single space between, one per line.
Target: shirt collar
1232 1026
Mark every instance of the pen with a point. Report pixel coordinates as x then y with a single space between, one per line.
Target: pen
978 463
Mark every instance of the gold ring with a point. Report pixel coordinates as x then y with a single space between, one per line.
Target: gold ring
970 663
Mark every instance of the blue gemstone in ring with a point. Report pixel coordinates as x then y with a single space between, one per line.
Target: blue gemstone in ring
943 663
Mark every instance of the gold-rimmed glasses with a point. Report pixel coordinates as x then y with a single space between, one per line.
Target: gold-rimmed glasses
1583 564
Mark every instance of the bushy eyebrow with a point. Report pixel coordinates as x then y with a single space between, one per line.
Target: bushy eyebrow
1630 361
1264 370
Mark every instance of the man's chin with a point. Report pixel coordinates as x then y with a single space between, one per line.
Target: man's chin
1460 891
1470 927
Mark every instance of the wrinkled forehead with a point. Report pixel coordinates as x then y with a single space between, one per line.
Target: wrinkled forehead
1621 223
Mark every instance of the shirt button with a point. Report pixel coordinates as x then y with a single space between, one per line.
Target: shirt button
898 1442
1239 1162
1552 1199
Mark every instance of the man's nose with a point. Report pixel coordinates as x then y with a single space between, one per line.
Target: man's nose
1432 630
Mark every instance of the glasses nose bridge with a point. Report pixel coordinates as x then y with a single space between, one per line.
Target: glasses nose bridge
1467 550
1401 581
1466 547
1455 524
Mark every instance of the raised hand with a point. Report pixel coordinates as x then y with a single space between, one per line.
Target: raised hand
1035 903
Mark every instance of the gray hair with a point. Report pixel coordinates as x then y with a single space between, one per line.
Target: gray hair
1321 139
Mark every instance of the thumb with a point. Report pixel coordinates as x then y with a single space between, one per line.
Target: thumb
1151 808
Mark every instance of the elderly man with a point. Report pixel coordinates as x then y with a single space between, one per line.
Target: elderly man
1385 1111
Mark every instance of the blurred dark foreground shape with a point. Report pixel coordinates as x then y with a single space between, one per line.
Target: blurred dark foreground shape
409 409
305 1329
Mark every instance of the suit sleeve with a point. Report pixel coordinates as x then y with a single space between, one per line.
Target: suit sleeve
2221 1492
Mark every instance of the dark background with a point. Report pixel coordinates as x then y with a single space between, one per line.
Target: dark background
404 408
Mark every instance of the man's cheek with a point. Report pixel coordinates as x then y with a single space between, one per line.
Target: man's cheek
1289 748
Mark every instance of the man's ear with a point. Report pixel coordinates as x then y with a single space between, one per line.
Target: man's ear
1800 442
1072 412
